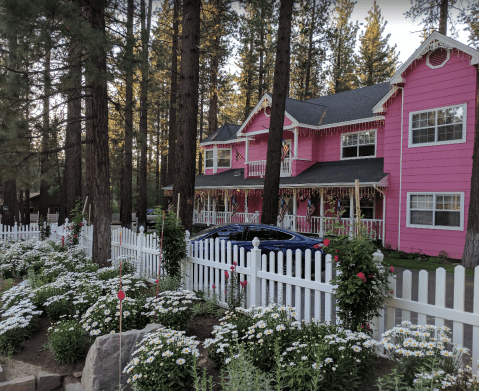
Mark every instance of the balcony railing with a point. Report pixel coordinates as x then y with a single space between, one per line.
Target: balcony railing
258 168
316 225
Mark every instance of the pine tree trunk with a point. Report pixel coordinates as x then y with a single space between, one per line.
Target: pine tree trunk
280 83
261 59
470 256
443 11
89 151
157 159
101 188
143 188
73 165
127 177
21 206
309 62
200 155
44 160
173 131
249 81
9 200
184 181
27 207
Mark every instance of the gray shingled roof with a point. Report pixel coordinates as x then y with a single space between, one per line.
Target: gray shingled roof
225 133
319 174
325 110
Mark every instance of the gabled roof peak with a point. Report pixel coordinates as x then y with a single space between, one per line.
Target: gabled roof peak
434 41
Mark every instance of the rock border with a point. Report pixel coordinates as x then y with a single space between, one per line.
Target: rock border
41 381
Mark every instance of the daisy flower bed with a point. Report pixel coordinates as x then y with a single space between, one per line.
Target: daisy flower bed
259 348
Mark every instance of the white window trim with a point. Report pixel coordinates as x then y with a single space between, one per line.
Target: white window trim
204 159
459 141
438 66
441 227
360 157
216 157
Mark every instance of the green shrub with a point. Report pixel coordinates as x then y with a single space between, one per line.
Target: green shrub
174 244
66 339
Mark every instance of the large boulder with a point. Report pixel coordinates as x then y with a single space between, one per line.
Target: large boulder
102 362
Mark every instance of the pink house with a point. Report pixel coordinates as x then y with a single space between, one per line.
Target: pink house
408 141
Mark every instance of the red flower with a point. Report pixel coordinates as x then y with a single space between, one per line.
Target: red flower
227 276
392 292
336 258
336 251
213 286
370 275
391 269
81 224
235 264
243 283
326 242
361 276
156 282
232 268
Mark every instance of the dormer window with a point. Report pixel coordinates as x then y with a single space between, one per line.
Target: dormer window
217 158
358 145
224 158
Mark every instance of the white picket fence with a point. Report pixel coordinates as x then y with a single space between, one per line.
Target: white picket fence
16 232
311 292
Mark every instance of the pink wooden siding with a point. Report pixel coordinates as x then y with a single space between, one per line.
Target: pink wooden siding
261 122
438 168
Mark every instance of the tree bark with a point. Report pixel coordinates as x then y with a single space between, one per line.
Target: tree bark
127 178
280 83
9 200
44 161
157 159
101 189
73 165
172 131
143 187
249 80
470 256
215 63
89 152
21 206
184 181
307 92
261 58
443 11
200 155
27 207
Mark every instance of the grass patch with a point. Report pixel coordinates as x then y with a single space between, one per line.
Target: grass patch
430 264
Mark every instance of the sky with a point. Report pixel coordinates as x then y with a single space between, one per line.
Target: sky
404 31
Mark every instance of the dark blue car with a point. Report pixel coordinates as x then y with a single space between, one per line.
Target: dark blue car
271 238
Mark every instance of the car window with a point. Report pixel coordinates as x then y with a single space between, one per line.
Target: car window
236 234
279 235
260 233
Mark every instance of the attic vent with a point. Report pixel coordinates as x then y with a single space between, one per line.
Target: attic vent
237 173
267 111
438 58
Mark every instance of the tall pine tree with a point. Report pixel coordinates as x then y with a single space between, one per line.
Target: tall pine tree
377 61
342 45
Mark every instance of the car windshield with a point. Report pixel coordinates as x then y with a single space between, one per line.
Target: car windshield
203 232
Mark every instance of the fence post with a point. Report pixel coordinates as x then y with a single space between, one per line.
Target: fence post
140 245
378 256
15 231
254 284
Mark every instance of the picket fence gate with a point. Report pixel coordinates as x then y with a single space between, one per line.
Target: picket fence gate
280 279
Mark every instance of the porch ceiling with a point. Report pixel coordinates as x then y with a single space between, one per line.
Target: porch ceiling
326 174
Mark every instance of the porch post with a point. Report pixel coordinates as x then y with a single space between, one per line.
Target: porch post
209 209
246 220
295 147
246 150
226 207
384 218
295 208
321 215
351 213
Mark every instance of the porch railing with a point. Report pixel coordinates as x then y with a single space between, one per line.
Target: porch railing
316 225
258 168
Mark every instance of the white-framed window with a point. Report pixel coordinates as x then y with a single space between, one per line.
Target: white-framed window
435 210
224 158
444 125
366 205
357 145
209 158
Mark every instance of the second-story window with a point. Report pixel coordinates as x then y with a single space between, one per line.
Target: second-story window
209 158
358 144
445 125
224 158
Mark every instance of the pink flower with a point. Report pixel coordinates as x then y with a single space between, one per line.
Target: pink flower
326 242
156 282
235 264
336 258
336 251
391 269
361 276
81 224
370 275
243 283
227 276
232 268
213 286
74 236
392 292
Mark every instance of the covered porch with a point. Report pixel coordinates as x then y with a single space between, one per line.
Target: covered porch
313 202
